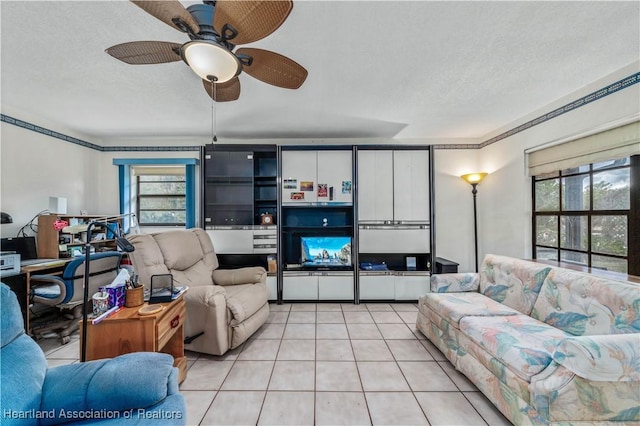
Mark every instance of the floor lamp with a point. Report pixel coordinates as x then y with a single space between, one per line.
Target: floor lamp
474 179
123 244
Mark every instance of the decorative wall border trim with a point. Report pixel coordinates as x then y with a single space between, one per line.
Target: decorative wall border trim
34 128
42 130
591 97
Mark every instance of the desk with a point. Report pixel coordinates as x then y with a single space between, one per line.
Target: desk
126 331
21 283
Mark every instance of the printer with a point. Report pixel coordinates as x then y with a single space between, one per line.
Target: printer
9 263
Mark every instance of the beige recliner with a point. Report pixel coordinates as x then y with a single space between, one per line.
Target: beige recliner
228 305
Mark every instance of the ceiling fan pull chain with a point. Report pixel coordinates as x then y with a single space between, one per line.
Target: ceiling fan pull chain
213 111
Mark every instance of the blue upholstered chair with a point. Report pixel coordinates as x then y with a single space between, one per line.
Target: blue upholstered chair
67 291
137 388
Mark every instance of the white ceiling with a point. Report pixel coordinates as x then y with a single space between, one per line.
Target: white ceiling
382 69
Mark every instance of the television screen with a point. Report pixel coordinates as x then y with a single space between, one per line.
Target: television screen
326 251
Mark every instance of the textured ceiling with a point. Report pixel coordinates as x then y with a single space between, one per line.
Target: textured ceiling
394 69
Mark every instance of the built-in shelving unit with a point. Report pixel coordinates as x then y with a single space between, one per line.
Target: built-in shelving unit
375 200
317 226
241 205
394 222
62 236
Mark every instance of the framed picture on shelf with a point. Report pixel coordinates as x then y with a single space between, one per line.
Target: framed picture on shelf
323 190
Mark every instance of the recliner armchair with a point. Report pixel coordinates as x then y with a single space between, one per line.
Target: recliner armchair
228 306
96 392
67 291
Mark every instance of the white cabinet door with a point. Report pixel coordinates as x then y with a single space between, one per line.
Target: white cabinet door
375 186
272 285
411 185
411 287
393 240
377 287
335 287
335 172
232 241
299 174
300 287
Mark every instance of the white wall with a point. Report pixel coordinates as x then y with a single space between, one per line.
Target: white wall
34 167
454 205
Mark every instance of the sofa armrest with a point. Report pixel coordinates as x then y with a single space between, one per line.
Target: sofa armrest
106 386
601 358
204 295
249 275
454 283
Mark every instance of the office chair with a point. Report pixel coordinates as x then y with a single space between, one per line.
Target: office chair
66 292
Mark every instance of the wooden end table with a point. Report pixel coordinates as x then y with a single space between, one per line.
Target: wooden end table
126 331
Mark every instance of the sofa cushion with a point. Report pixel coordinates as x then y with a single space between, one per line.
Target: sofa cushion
583 304
455 306
521 343
514 282
197 275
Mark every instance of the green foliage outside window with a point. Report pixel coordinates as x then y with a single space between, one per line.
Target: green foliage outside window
575 225
161 200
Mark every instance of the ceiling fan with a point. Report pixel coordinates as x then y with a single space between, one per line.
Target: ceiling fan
215 28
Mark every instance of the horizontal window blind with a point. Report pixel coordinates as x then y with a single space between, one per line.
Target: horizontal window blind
620 142
157 170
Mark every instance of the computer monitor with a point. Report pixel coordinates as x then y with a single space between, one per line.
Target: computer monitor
24 246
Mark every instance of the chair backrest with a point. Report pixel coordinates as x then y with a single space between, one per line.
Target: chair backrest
187 254
103 268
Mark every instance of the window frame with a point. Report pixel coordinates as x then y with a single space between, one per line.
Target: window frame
140 197
632 215
193 174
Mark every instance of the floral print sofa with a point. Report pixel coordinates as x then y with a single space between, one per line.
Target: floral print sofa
546 345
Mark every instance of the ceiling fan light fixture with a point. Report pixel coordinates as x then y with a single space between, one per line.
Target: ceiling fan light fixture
207 58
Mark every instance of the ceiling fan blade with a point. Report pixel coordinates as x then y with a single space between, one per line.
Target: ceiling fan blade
224 92
253 20
166 11
145 52
273 68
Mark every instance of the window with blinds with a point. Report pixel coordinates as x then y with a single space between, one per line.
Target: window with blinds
161 196
583 215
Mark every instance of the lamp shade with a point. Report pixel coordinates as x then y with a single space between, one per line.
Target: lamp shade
6 217
207 58
474 178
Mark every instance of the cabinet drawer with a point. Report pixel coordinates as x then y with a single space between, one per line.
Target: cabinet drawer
170 321
377 287
233 241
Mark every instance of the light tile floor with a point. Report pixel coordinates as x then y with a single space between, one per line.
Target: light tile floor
326 364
